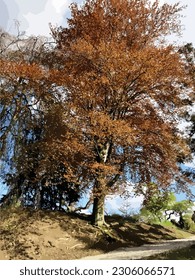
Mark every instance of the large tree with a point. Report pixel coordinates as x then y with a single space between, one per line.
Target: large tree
110 90
122 88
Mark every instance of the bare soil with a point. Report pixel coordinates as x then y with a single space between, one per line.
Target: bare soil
47 235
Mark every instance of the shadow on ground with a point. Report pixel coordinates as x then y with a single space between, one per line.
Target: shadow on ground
28 234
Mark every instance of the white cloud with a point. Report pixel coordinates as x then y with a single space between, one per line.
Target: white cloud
132 203
114 202
60 5
34 16
38 24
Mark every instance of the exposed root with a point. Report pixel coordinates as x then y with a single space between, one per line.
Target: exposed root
110 236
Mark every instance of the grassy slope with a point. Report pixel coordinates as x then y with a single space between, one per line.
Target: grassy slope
26 234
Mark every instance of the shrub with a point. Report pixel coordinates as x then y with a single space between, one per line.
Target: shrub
188 223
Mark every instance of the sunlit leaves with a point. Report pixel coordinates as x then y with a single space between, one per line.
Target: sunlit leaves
108 94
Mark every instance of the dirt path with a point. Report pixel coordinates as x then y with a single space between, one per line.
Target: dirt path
133 253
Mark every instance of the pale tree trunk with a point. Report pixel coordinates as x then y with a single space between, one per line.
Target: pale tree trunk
100 191
100 188
38 199
98 211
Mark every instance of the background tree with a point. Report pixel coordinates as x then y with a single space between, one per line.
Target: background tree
156 203
18 102
25 167
25 112
188 55
180 209
163 206
159 205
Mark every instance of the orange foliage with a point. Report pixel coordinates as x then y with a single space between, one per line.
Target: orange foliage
14 70
121 87
123 82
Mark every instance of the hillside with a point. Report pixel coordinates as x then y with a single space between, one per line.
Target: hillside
27 234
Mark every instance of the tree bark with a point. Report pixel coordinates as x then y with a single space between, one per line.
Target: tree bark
38 199
98 211
101 186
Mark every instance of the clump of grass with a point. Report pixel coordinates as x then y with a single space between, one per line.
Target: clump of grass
180 254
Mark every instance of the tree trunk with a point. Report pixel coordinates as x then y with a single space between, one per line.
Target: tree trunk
38 199
98 211
100 187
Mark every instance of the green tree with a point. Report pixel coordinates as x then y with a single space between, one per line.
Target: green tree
156 202
159 205
181 208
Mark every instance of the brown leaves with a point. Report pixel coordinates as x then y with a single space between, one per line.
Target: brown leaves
119 91
137 22
15 70
118 130
123 83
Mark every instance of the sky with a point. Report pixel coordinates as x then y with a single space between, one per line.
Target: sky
34 16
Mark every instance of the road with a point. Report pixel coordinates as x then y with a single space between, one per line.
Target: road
144 251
